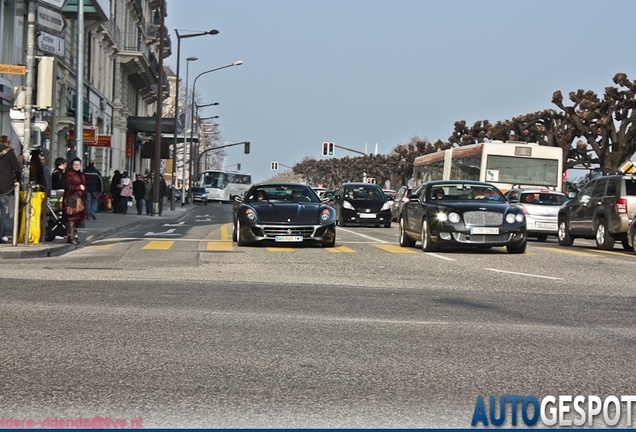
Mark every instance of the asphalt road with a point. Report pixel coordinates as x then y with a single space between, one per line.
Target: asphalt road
175 326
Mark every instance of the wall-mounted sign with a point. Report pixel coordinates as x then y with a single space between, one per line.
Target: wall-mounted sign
50 19
57 4
50 43
102 141
89 135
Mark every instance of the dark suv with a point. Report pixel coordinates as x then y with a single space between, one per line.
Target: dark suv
601 211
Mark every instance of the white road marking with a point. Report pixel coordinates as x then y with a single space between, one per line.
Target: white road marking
177 224
524 274
441 256
169 232
362 235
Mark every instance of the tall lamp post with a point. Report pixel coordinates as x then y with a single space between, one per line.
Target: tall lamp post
194 84
183 175
199 119
176 106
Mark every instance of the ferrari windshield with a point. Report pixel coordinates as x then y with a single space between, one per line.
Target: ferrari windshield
281 193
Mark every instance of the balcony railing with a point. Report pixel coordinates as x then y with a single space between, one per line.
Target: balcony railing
111 30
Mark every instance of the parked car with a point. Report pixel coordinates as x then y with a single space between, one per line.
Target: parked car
541 208
401 196
362 204
199 194
602 211
389 194
454 213
283 213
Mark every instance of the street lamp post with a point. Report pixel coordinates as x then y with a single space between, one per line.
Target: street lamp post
176 107
199 119
194 84
183 176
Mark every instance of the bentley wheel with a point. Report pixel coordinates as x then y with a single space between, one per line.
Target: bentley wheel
427 243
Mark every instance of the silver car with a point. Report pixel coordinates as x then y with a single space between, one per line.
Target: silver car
541 208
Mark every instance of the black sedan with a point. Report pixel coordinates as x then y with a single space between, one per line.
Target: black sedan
283 213
361 204
461 214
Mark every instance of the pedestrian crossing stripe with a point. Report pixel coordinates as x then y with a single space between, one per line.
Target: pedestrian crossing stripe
224 232
219 246
340 249
394 248
567 252
159 245
281 249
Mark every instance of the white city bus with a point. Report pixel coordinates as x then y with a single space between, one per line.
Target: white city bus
502 164
225 185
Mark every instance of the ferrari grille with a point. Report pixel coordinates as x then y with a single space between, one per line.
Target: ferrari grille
281 231
483 218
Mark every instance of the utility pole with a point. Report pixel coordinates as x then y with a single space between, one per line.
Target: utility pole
157 161
28 114
79 106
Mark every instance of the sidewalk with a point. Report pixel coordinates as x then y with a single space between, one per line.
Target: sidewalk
107 224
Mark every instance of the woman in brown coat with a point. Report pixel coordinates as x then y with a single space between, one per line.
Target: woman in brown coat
74 185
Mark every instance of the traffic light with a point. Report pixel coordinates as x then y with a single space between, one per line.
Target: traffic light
246 149
238 166
331 146
325 149
274 165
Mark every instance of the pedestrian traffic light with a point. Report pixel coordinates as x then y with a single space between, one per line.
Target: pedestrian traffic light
331 146
325 149
274 165
246 149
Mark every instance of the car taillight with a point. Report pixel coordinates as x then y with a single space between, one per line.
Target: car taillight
621 205
523 209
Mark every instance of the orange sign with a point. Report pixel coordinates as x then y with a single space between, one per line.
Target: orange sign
89 135
102 141
130 145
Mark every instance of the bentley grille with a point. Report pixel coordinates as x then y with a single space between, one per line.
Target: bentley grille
483 218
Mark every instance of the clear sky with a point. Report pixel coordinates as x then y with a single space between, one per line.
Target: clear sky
383 71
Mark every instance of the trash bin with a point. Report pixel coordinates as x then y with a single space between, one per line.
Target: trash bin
35 217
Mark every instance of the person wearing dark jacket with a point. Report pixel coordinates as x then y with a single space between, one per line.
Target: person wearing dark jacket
115 191
139 191
57 176
75 186
9 174
93 189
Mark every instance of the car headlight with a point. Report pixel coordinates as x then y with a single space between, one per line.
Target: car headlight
250 214
441 216
325 215
454 217
512 217
347 205
385 206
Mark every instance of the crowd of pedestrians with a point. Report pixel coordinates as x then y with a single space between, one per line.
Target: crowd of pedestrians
80 191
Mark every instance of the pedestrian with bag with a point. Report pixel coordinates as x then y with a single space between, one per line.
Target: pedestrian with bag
148 195
125 192
74 207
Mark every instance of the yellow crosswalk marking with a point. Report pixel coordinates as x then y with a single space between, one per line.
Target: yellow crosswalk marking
224 232
280 249
220 246
609 252
394 248
567 251
338 249
159 245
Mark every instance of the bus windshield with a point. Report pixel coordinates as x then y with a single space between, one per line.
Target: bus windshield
216 180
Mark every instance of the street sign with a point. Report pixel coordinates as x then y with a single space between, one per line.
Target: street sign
51 43
18 127
51 20
57 4
12 69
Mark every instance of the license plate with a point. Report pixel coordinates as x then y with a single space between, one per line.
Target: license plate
550 226
289 238
367 216
484 230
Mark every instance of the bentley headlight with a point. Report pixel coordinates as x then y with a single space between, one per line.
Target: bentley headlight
442 217
510 218
250 214
520 217
348 205
454 217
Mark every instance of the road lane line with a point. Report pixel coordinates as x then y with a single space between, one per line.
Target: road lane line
566 251
609 252
394 248
440 256
339 249
362 235
281 249
524 274
159 245
219 246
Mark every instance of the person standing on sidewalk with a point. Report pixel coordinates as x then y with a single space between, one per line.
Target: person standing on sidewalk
57 176
93 189
125 190
74 185
139 192
9 174
148 195
115 191
163 192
